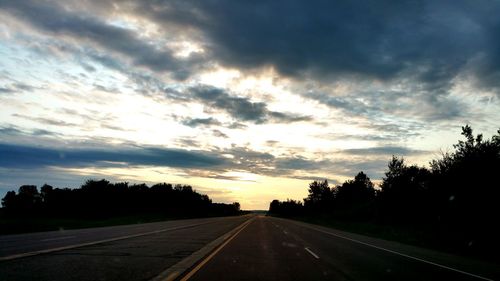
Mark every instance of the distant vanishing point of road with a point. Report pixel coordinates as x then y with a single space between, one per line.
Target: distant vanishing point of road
226 248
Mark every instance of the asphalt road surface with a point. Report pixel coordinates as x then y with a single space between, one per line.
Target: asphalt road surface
252 248
131 252
278 249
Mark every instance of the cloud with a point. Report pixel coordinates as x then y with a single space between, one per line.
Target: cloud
299 163
378 73
374 168
381 39
80 25
281 117
195 163
195 122
374 102
46 121
219 134
16 87
10 130
237 125
17 156
6 90
415 52
384 150
187 142
240 108
296 166
16 133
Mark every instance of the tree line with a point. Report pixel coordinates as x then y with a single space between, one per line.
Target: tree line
456 199
103 199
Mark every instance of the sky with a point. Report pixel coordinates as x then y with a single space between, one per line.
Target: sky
246 101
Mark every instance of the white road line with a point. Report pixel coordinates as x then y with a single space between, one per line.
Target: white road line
46 251
57 238
311 252
401 254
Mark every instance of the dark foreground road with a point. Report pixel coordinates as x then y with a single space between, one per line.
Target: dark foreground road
250 248
278 249
132 252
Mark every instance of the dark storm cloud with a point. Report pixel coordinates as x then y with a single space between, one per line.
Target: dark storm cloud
17 156
54 19
241 108
429 42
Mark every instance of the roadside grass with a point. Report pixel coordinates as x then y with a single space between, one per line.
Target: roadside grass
25 224
15 225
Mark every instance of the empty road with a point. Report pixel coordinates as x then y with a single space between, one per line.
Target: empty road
278 249
230 248
129 252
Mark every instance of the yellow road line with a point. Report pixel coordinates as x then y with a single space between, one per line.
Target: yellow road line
207 259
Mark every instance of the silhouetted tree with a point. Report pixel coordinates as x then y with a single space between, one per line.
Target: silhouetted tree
236 206
100 198
10 201
466 187
273 206
456 201
29 199
320 197
354 198
45 191
404 195
288 208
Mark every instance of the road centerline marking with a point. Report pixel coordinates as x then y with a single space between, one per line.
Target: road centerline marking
311 252
398 253
207 259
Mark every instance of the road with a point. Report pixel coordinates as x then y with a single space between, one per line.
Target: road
230 248
131 252
278 249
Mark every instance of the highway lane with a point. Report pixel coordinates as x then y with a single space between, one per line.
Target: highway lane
151 249
21 244
278 249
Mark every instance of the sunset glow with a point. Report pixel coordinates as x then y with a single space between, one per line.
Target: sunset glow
175 92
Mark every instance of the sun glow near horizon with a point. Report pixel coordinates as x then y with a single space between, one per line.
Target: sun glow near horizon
243 108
